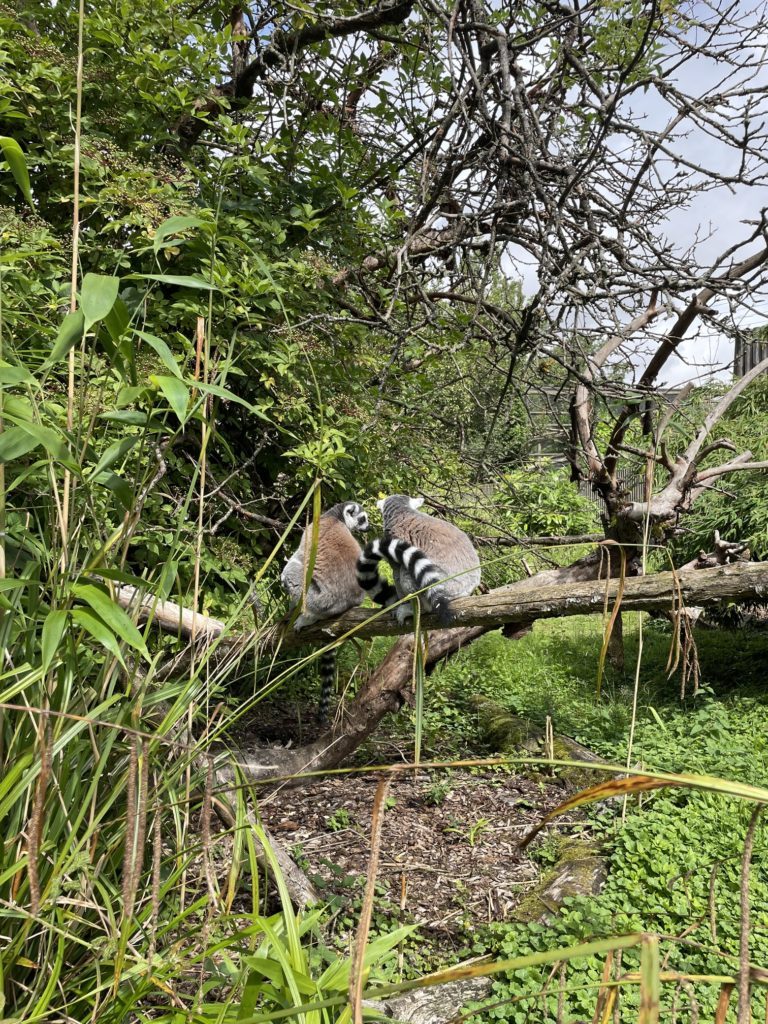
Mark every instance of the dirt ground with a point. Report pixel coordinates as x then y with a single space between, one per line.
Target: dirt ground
449 854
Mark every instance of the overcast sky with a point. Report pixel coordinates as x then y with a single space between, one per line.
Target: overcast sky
716 218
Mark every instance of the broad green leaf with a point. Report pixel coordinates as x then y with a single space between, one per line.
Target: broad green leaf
119 487
162 350
14 374
336 977
49 439
53 630
173 226
111 613
113 453
18 440
70 332
97 297
14 443
14 157
167 580
220 392
18 408
10 778
12 584
176 392
179 281
92 624
265 968
117 320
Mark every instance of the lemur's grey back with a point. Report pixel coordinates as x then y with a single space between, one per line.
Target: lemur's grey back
427 555
448 548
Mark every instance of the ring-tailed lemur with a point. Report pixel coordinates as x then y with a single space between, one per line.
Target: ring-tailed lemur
423 552
333 588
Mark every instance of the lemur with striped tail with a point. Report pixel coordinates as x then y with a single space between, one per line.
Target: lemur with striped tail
424 552
333 588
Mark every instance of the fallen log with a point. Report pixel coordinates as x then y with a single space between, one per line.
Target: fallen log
521 603
553 593
547 541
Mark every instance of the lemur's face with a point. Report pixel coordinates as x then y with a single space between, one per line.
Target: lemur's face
355 518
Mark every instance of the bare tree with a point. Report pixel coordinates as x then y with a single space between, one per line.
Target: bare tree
555 144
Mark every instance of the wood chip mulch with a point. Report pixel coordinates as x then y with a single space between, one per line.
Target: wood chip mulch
449 854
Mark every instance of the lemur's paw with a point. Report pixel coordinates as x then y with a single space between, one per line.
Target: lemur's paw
403 613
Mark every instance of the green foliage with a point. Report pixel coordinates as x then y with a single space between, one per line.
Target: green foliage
439 790
163 433
674 846
339 820
738 507
541 500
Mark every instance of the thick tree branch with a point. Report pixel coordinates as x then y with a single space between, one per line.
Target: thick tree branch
729 467
670 344
539 542
284 45
390 684
519 604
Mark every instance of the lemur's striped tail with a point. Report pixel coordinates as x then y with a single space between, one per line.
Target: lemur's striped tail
327 668
418 566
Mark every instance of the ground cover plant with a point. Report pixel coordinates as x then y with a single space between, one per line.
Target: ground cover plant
674 863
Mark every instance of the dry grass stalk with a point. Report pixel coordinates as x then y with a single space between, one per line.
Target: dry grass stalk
130 825
357 974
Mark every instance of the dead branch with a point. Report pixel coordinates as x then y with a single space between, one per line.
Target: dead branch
695 308
519 604
509 541
693 449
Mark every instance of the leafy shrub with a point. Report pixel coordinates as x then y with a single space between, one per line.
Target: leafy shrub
540 499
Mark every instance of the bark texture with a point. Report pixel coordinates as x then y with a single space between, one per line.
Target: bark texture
551 594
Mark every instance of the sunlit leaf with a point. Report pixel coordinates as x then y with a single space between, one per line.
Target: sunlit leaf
119 487
93 625
97 297
118 319
14 157
176 393
162 350
70 332
173 226
110 613
114 453
15 442
225 393
10 375
53 630
179 281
